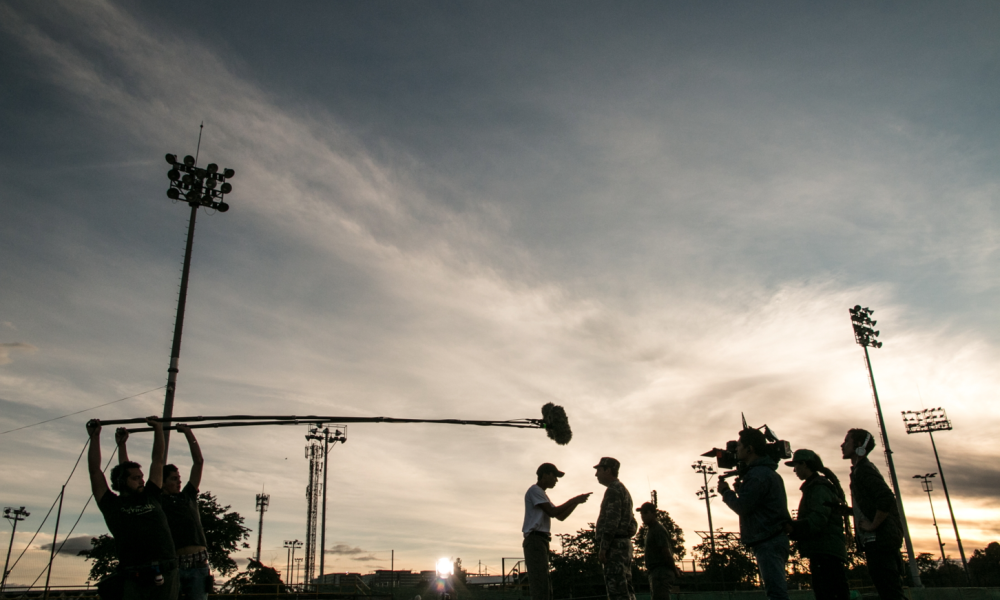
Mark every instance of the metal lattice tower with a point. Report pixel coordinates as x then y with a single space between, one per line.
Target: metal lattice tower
314 492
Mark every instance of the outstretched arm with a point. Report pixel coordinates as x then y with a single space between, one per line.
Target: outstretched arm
98 484
156 462
121 436
566 509
197 461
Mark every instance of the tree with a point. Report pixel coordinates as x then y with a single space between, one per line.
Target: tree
985 565
676 537
731 567
224 533
257 579
576 571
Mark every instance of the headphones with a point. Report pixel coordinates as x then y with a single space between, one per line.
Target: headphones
860 450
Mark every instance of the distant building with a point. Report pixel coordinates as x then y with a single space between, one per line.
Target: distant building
384 578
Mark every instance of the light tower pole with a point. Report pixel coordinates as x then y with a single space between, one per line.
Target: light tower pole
329 439
707 494
930 420
864 335
263 500
928 486
197 187
13 515
291 545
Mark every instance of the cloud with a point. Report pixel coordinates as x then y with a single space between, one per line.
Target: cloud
345 549
7 348
73 546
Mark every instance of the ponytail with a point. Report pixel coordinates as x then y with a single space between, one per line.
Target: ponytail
836 483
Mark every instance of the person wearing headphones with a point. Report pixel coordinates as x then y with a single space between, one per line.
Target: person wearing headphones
876 517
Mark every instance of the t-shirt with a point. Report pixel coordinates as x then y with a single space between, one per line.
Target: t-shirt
657 539
535 518
139 526
184 518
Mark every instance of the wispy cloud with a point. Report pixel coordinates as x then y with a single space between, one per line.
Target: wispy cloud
6 349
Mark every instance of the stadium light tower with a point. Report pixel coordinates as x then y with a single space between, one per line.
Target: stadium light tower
291 545
928 486
864 335
13 515
263 501
198 187
928 421
707 494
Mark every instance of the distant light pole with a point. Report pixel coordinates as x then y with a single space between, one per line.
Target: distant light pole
291 545
13 515
198 187
263 500
928 486
930 420
329 439
864 335
298 564
707 494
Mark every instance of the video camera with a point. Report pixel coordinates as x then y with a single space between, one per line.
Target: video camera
776 449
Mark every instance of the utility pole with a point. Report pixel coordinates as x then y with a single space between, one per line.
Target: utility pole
263 500
928 486
13 515
52 552
197 187
864 335
706 494
930 420
329 439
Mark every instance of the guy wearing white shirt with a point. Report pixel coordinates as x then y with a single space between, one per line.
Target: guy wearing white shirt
538 513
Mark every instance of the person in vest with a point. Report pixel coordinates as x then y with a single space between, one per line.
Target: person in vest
819 526
181 508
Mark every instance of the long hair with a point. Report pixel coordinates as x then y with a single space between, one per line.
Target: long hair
816 466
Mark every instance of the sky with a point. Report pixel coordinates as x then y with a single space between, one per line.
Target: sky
655 215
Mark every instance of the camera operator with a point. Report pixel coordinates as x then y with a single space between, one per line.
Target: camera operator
876 516
819 526
760 502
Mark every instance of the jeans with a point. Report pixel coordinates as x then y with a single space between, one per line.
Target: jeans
661 579
771 557
536 560
193 582
885 566
829 579
135 590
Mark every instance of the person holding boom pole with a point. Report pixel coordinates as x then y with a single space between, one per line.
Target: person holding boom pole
147 561
181 507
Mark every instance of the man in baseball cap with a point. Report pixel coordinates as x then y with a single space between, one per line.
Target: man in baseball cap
661 569
538 514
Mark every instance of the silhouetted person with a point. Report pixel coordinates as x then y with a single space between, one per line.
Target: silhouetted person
876 517
819 526
661 569
183 516
614 530
763 509
146 558
538 515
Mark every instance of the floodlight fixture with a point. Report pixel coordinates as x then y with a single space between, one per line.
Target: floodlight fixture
864 335
928 421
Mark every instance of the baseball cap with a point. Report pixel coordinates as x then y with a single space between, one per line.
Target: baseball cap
608 463
803 456
548 468
645 506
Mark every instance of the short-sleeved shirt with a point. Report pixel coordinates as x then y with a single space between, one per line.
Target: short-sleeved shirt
184 518
535 518
139 526
657 539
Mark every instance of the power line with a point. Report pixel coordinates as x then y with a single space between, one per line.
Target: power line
82 411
